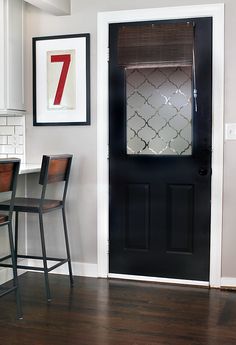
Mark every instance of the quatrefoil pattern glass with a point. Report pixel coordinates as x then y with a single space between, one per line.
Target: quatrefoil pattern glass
159 111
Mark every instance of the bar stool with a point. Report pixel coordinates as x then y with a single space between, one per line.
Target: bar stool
54 168
9 169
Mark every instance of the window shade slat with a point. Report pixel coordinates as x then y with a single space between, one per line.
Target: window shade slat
159 44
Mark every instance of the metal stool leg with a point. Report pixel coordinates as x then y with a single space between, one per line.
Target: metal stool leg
16 234
15 277
44 257
67 247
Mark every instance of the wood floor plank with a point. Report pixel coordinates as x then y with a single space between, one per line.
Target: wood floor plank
115 312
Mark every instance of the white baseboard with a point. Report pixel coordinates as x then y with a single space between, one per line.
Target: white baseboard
6 274
78 268
90 270
228 282
159 280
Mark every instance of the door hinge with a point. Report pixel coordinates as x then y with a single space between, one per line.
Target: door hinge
108 54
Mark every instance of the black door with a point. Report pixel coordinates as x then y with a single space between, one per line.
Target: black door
160 163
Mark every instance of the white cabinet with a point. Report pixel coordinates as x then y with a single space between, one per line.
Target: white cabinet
11 57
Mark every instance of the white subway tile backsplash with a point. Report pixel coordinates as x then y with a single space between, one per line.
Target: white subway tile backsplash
7 149
15 140
3 139
19 130
15 121
20 140
12 141
14 155
7 130
19 149
3 120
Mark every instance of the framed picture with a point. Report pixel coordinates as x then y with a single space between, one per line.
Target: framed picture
61 80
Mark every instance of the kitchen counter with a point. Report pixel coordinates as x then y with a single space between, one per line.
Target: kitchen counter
27 168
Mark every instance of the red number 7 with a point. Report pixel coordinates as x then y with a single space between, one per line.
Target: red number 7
66 58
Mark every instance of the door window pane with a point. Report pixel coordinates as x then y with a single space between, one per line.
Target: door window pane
159 110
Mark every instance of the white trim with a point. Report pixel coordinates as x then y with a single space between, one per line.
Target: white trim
6 274
82 269
54 7
158 280
78 268
227 282
216 11
12 112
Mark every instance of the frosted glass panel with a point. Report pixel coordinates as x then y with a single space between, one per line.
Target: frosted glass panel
159 111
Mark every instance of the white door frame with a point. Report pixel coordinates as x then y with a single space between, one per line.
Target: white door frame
216 11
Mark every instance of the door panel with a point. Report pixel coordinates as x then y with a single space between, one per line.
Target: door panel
180 199
160 165
137 226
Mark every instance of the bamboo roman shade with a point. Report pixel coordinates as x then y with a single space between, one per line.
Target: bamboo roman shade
161 45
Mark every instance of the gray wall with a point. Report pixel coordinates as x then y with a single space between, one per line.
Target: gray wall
81 141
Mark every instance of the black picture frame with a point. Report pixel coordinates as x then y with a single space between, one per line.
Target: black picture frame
76 47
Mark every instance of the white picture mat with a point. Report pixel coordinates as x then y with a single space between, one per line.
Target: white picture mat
44 115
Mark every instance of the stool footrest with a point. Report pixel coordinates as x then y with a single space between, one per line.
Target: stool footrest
60 261
5 258
6 290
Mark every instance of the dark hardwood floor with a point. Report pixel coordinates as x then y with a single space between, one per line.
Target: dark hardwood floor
104 312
